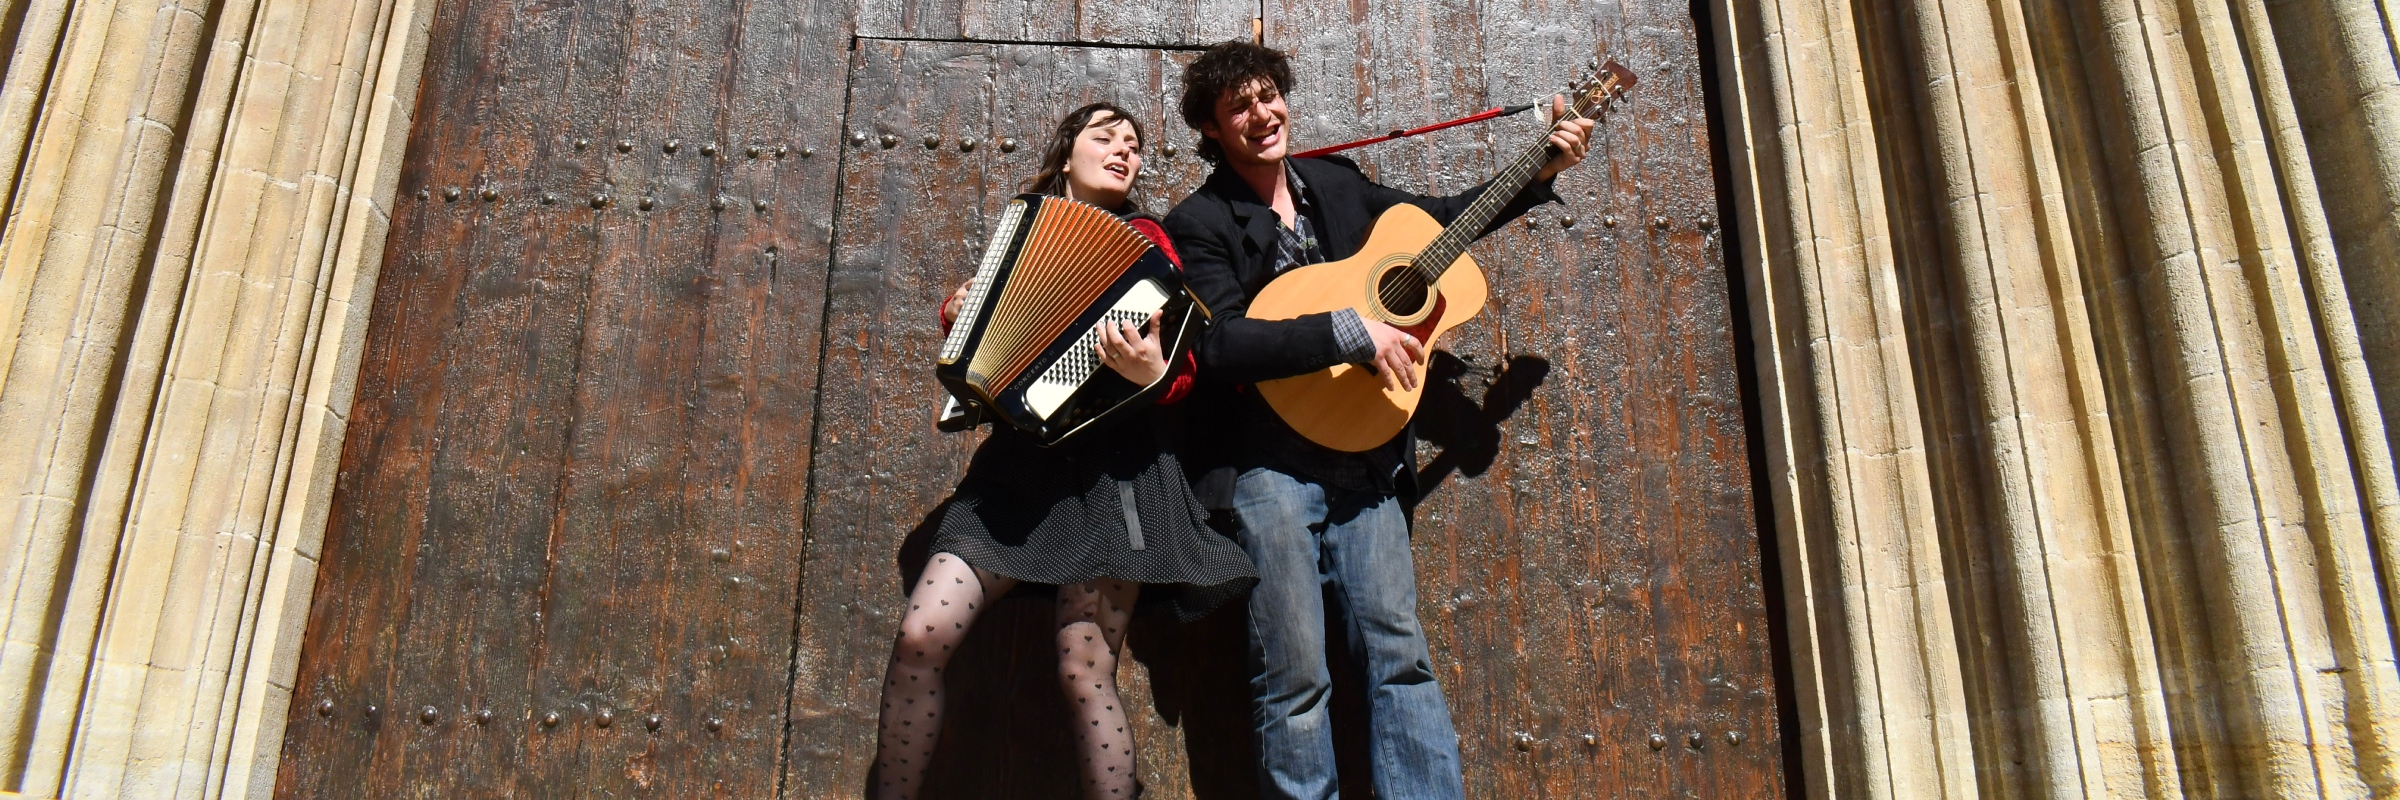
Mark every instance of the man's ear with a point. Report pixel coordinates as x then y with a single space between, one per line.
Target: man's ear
1208 129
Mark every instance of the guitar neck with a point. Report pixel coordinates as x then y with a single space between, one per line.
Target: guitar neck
1446 248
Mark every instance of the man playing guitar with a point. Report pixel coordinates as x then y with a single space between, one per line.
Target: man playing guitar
1312 517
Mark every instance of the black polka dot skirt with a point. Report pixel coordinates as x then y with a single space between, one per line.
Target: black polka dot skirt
1115 506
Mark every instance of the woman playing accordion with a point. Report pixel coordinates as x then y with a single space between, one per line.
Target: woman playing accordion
1098 517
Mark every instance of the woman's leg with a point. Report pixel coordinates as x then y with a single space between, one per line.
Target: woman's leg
1091 626
940 608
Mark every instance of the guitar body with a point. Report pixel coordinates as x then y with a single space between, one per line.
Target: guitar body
1346 407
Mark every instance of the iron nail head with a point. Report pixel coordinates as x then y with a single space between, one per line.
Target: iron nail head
890 141
483 716
715 724
549 199
1658 741
429 715
719 202
1566 222
582 143
932 141
600 201
1008 145
1590 740
1695 740
672 145
858 139
708 149
491 195
1733 738
606 718
753 151
761 205
646 202
624 145
325 708
966 144
1167 150
805 152
424 194
549 719
449 193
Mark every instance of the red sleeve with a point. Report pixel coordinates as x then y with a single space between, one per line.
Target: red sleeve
1179 377
1158 236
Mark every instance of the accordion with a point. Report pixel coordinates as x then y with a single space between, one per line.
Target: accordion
1024 346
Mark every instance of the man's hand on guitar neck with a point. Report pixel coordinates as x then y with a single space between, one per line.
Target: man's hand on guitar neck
1571 140
1396 355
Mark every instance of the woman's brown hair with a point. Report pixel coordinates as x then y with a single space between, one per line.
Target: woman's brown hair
1053 177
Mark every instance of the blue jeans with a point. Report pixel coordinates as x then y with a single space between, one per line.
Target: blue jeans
1309 542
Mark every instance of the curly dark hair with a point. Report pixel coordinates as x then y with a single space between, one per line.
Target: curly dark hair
1228 67
1053 177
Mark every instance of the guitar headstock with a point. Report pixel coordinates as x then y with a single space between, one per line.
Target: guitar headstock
1599 85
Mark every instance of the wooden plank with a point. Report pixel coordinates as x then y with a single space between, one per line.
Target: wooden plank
581 441
1167 23
1587 558
910 216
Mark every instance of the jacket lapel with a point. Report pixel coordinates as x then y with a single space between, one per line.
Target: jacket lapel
1250 214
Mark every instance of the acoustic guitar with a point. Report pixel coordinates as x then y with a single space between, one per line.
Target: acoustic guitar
1412 274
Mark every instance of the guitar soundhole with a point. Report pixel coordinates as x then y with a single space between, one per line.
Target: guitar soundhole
1402 292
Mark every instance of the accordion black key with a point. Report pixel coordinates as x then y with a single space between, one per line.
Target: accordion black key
1023 347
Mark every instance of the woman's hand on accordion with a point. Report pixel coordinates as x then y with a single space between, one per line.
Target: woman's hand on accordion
1133 352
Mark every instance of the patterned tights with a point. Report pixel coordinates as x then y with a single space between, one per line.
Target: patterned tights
1091 626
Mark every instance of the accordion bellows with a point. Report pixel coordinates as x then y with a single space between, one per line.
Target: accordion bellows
1022 347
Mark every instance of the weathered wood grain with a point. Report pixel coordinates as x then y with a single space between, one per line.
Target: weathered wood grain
576 472
1137 22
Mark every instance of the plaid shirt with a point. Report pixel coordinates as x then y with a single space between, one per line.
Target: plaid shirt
1297 246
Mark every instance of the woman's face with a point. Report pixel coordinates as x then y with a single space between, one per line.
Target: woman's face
1102 165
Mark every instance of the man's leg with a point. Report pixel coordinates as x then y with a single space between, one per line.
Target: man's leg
1413 748
1279 518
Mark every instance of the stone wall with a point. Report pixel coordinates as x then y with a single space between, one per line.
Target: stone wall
196 204
2069 321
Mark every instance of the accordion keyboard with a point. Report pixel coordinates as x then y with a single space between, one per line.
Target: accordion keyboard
1081 360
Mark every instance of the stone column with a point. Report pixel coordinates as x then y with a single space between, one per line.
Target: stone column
2132 241
1874 652
192 240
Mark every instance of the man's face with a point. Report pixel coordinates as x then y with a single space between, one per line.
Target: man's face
1250 124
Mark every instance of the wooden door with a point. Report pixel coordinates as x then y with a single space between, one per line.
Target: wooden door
642 439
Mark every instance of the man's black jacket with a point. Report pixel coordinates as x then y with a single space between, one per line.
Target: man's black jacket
1227 238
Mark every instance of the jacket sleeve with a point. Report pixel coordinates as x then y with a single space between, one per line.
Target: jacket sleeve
1236 348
